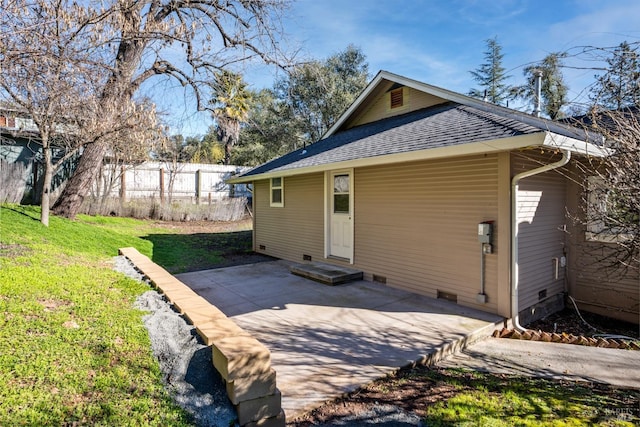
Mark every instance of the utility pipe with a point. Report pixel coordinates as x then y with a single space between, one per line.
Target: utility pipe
566 156
537 108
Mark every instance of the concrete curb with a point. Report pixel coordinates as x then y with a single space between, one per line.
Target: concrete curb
241 359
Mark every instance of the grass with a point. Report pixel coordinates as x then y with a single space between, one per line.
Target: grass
73 350
176 251
494 400
179 253
458 397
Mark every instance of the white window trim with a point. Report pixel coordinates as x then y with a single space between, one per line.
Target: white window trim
281 188
596 229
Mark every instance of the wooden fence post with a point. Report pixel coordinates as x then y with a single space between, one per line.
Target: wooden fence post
161 186
123 185
198 185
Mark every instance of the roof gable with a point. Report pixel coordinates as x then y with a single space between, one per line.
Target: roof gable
384 80
442 123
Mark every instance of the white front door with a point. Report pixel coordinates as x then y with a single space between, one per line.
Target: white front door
341 214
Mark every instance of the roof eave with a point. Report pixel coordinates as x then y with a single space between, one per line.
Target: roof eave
482 147
577 146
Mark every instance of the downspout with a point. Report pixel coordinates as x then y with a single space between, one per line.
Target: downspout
566 156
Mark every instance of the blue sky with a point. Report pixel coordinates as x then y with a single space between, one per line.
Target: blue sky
439 42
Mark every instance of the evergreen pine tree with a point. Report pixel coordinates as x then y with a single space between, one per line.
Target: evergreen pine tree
619 86
491 76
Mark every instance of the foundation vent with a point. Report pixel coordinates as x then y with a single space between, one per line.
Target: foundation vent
447 296
379 279
306 257
262 247
542 294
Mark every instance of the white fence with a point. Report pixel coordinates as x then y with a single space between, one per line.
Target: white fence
194 182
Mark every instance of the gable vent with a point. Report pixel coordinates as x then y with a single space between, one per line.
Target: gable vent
397 99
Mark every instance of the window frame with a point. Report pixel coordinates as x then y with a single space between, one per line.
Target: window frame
273 188
341 193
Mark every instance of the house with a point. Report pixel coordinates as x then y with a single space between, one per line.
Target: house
433 192
21 152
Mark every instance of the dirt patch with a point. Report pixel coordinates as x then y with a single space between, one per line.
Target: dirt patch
406 397
569 322
13 251
410 391
208 245
193 227
51 304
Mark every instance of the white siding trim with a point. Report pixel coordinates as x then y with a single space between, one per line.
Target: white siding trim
327 209
544 139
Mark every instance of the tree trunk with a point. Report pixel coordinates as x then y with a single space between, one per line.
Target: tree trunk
227 153
46 187
79 185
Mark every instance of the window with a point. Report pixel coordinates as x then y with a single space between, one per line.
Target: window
277 192
607 213
341 194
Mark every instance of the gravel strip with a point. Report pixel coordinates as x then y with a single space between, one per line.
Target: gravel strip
185 361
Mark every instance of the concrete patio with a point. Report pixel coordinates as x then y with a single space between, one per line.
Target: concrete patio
328 340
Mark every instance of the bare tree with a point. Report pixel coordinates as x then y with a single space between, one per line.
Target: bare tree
611 201
126 43
38 82
51 72
173 152
128 147
619 86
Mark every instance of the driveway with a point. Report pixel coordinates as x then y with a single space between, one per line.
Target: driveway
327 340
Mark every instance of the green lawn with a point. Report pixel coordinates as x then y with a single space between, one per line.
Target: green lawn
507 400
460 397
73 350
72 347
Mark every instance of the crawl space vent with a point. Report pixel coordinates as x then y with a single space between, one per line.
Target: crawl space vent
447 296
379 279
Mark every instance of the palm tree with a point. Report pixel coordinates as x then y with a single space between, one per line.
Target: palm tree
231 101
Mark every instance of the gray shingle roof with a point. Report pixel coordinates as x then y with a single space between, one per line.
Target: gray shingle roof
442 125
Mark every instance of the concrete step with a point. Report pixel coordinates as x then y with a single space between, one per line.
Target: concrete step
326 273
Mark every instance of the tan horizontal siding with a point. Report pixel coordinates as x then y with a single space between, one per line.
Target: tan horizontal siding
541 219
379 109
614 293
297 228
416 225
